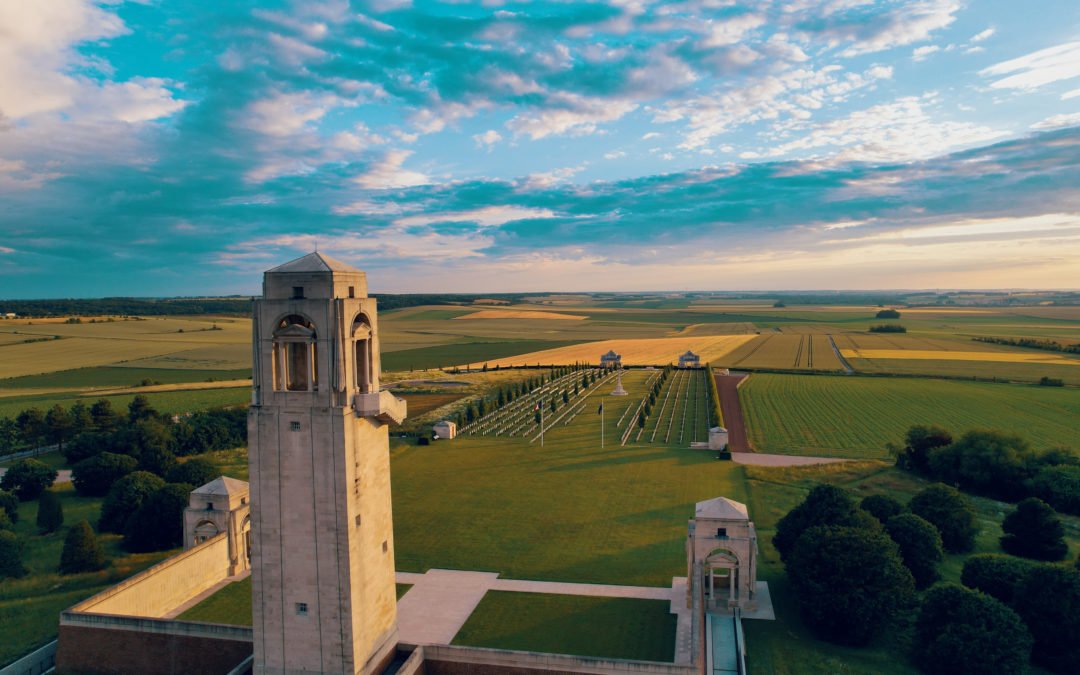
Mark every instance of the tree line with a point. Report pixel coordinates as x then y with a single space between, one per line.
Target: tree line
1031 343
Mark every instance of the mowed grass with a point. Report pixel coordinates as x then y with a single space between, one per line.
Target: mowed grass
618 628
856 416
569 511
786 646
231 605
30 606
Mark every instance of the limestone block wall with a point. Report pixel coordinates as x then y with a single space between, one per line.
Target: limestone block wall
165 586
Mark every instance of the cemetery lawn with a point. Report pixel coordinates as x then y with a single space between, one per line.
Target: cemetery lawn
568 511
854 417
619 628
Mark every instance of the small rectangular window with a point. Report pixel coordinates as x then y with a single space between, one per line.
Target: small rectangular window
352 292
301 609
721 532
295 426
384 548
358 521
209 506
298 292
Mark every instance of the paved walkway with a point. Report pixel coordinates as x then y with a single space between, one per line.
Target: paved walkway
440 601
761 459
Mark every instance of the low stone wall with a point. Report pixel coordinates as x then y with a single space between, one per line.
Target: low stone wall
165 586
114 645
454 660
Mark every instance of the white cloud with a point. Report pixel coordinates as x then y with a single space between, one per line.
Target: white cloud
1058 121
287 114
554 177
387 173
651 134
1033 70
615 154
720 33
487 139
979 37
1070 94
922 53
576 115
899 26
488 216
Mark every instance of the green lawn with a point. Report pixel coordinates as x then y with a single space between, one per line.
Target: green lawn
620 628
402 589
231 605
569 511
856 416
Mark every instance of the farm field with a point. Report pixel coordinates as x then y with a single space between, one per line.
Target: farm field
787 351
636 352
616 628
856 416
171 402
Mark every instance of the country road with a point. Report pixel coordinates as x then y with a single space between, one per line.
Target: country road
727 386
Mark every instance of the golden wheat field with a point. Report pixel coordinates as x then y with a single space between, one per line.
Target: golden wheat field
635 352
520 314
1002 357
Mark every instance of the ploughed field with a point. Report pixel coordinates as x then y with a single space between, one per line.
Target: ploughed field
855 416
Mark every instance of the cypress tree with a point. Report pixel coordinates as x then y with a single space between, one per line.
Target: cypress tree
50 514
81 553
10 556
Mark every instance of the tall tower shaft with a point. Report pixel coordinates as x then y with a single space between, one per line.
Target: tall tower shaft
323 592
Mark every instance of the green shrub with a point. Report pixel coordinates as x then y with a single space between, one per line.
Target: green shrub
919 442
28 478
881 507
81 553
985 461
920 546
1058 486
10 556
158 524
1047 599
995 574
824 505
850 582
197 472
888 328
960 631
50 515
1034 531
951 513
1046 381
888 314
125 497
5 521
9 503
94 476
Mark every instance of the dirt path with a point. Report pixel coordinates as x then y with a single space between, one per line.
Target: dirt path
728 388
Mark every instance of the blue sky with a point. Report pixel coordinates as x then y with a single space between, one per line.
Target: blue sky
180 148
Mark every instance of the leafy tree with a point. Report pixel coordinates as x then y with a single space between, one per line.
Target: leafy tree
28 478
80 417
919 442
58 426
140 409
86 445
995 574
81 553
1058 486
961 631
920 546
824 505
951 512
157 459
9 503
5 521
125 497
93 477
50 515
196 471
158 524
850 582
31 426
881 507
10 556
888 314
1035 531
1046 599
103 415
985 461
9 435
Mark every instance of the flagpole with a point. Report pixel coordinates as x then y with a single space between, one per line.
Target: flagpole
601 425
541 422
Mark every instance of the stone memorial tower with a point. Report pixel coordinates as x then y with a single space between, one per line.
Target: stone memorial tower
322 554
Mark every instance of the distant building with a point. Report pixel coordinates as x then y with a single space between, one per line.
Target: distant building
611 360
10 315
445 429
689 360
